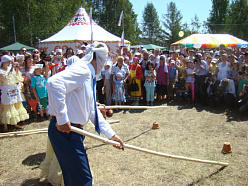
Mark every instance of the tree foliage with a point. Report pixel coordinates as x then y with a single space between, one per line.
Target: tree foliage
218 18
238 19
41 19
150 23
195 24
229 17
172 23
109 17
34 18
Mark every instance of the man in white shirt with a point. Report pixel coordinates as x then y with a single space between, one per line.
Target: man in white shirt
71 99
157 55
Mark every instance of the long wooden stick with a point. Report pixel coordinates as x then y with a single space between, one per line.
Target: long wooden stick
130 107
36 131
22 133
83 132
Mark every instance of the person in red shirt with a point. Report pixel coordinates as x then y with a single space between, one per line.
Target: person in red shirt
136 75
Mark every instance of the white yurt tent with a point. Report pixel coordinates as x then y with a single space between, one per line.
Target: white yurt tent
78 30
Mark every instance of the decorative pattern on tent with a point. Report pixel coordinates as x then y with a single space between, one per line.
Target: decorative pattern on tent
80 19
78 30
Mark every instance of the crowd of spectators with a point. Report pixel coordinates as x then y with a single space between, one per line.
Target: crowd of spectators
205 76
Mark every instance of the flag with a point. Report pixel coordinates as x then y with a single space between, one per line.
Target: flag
119 23
91 25
24 103
33 104
122 38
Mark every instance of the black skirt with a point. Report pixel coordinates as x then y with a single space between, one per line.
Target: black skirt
161 89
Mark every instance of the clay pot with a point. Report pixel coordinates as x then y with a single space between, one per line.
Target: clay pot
155 125
226 149
110 112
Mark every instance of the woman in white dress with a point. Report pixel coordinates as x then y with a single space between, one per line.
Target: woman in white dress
223 68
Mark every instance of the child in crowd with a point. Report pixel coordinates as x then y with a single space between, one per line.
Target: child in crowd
126 61
213 66
181 89
107 81
172 79
190 78
150 75
12 110
38 84
234 73
119 91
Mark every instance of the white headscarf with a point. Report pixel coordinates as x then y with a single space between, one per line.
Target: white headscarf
101 51
165 64
6 58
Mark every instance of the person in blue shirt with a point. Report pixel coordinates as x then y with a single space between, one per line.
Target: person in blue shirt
172 79
38 84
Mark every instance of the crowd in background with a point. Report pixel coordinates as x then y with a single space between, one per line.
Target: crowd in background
209 76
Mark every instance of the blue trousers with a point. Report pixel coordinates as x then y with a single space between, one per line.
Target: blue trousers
150 93
72 157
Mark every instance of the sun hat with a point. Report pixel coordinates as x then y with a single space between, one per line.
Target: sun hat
59 50
6 58
19 57
36 66
119 74
80 52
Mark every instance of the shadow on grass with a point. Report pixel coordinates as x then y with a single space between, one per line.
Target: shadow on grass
209 176
35 182
133 111
234 115
34 159
124 141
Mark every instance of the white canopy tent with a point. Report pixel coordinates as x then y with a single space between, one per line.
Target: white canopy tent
78 30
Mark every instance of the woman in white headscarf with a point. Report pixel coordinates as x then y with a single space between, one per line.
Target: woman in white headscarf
12 110
162 78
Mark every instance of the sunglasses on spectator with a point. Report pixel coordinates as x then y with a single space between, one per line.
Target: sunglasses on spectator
24 50
36 52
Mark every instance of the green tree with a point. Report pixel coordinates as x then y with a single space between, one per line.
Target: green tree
109 17
186 30
150 23
218 19
35 19
195 24
238 19
172 23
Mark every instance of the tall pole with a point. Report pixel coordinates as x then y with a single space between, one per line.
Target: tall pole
14 28
123 30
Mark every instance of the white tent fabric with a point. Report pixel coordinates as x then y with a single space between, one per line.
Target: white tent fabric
78 30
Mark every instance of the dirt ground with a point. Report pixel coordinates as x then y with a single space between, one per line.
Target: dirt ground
188 130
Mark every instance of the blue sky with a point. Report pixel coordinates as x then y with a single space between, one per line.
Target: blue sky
188 8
